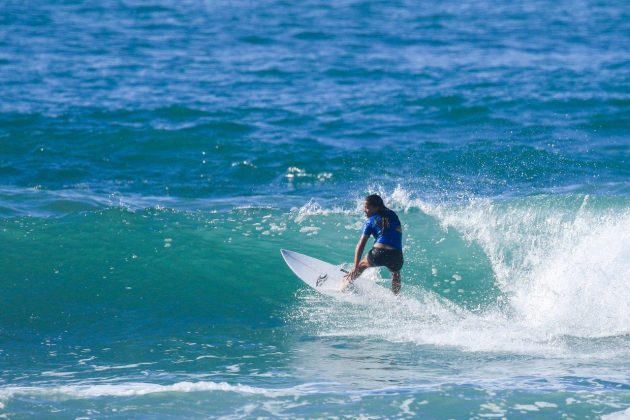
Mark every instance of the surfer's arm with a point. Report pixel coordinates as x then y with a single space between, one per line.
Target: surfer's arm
358 253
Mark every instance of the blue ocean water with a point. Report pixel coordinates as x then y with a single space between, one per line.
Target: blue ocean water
154 158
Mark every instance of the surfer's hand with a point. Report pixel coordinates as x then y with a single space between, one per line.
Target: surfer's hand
351 275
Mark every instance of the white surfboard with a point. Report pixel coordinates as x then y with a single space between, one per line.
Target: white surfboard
320 275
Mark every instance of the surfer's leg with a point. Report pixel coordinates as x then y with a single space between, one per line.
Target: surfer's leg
396 282
363 264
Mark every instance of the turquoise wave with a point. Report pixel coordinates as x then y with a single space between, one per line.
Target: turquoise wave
154 159
118 267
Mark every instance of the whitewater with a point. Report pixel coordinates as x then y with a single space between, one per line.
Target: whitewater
155 158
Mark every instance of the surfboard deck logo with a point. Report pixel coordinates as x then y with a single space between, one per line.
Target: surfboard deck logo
321 279
324 277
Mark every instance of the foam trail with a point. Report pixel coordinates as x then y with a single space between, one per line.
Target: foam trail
561 264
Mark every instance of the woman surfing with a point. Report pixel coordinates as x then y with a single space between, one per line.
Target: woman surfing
384 225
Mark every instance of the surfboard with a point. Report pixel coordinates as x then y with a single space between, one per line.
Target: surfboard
324 277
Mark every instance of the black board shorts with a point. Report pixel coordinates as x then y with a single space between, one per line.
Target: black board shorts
390 258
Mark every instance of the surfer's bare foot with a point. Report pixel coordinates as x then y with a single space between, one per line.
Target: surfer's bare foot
396 283
396 287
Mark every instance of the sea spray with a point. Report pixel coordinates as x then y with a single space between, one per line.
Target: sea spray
155 157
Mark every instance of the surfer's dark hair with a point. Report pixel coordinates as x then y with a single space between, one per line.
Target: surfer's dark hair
375 200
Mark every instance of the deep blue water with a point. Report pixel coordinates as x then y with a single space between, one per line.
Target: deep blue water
154 158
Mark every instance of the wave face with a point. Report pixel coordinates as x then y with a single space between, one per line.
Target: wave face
119 304
155 158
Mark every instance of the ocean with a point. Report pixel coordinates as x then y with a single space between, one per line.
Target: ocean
155 157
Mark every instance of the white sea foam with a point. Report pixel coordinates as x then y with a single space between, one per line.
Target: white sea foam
310 230
399 199
565 271
134 389
618 415
313 208
116 367
561 264
294 173
130 389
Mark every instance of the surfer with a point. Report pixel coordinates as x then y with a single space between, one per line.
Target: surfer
384 225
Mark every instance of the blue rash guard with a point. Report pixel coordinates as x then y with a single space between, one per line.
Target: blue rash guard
391 235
